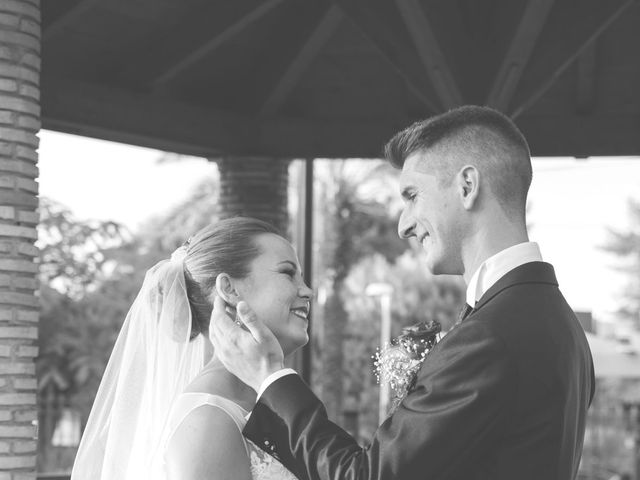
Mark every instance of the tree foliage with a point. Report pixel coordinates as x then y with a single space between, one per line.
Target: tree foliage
72 251
626 246
354 221
91 272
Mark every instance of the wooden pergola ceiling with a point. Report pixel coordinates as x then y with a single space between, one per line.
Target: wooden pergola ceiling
305 78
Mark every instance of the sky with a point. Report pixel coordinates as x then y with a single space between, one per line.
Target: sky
573 202
112 181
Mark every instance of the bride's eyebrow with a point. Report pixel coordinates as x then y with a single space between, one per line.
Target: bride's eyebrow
292 265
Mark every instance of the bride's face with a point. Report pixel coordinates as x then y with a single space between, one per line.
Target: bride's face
276 292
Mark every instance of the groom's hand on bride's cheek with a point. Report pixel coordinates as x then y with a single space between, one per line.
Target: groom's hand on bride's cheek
251 355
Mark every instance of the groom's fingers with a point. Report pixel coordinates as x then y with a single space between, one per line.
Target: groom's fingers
219 317
258 330
221 325
216 322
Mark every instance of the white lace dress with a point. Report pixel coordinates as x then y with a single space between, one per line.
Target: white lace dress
263 465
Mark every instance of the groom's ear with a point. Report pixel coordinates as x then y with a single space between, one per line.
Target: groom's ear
468 179
226 290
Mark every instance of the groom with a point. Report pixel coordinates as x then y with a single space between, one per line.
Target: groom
504 395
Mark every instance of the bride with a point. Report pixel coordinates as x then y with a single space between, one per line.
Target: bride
166 407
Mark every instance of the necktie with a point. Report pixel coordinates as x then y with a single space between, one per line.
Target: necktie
464 313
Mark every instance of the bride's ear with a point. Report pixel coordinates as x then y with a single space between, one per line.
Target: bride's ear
225 288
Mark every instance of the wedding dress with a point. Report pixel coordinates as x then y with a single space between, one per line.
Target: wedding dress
263 466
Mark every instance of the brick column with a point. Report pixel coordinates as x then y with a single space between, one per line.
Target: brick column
19 123
255 187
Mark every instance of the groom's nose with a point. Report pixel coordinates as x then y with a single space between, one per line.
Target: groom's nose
406 226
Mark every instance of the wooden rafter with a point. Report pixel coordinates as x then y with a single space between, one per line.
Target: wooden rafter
522 45
586 81
571 135
430 53
571 28
194 55
53 29
301 60
384 28
150 121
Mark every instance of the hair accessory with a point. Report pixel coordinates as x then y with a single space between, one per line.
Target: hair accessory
179 255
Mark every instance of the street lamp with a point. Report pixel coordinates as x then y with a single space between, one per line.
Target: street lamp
384 292
631 413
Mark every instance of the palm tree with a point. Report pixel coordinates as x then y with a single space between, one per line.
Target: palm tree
355 221
626 246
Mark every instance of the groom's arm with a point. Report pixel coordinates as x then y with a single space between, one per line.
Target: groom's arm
459 407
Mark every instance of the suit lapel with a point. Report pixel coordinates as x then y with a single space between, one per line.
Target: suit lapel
532 272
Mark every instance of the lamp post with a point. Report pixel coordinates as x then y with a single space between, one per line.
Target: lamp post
631 412
383 291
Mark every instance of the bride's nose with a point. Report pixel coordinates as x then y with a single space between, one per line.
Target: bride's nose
305 292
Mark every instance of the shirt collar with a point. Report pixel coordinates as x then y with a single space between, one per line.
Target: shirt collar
495 267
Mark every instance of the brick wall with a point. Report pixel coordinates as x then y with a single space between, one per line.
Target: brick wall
255 187
19 123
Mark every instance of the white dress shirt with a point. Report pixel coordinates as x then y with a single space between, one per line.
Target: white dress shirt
489 272
497 266
273 377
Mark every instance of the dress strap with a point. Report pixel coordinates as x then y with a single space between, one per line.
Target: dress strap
188 402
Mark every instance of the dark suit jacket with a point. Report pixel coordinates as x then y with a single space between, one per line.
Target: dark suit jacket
503 396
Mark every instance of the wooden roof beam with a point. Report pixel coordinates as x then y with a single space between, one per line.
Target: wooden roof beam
301 60
570 29
382 25
522 45
158 122
153 122
57 26
572 135
196 54
430 53
586 81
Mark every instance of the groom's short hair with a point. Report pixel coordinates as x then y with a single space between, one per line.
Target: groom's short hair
488 136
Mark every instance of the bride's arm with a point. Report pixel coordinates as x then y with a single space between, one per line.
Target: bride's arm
207 446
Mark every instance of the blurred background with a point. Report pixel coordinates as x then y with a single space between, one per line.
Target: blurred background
98 236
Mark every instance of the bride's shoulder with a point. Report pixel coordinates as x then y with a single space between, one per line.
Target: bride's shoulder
207 440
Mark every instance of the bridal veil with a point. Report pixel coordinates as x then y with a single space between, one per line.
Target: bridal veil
152 362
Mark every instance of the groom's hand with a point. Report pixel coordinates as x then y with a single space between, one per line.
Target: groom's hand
251 355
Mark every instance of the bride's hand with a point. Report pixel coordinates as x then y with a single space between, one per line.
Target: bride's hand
251 355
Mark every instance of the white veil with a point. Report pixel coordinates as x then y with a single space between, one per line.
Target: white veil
151 363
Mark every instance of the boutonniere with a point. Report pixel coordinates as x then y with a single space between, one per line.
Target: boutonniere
397 363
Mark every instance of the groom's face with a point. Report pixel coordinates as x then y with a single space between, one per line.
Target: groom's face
431 214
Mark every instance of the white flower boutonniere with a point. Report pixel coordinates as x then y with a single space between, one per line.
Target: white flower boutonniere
398 363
